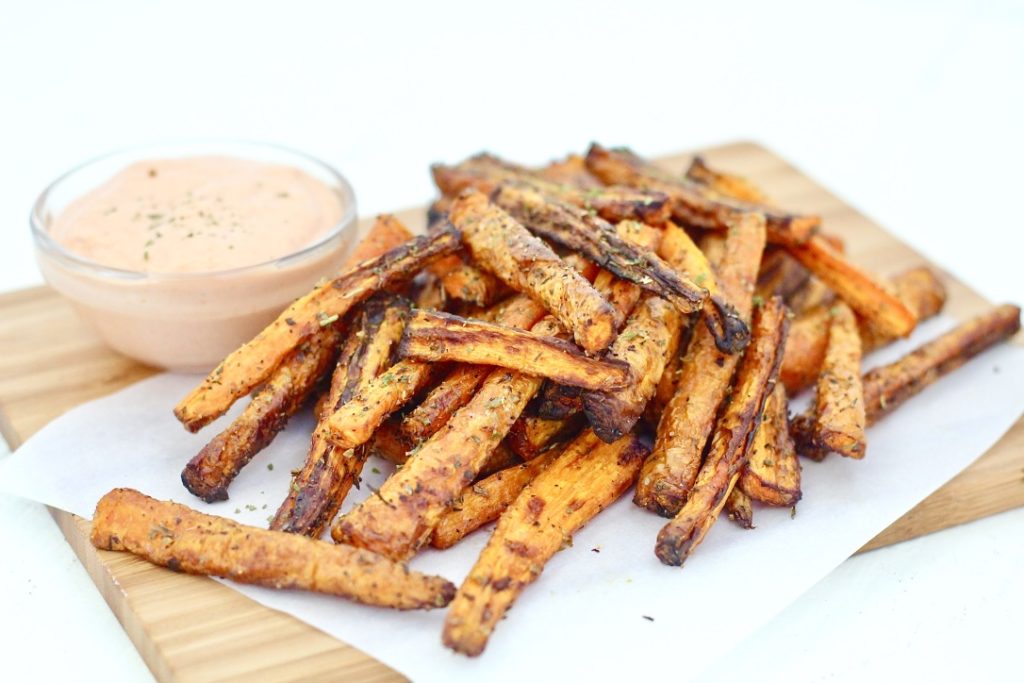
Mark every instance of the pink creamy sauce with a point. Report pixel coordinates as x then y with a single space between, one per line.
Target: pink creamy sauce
192 225
197 214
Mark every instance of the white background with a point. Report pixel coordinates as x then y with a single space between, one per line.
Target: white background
910 110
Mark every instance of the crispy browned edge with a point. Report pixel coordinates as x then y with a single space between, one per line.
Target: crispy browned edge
559 402
485 173
174 536
729 447
318 489
583 480
645 344
599 242
252 363
434 336
811 295
694 204
780 275
739 508
772 475
624 295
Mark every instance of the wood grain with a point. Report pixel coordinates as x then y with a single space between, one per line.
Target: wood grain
191 628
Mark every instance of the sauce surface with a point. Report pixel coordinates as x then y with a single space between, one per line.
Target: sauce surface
197 214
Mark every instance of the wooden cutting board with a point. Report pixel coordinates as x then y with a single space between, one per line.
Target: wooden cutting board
194 629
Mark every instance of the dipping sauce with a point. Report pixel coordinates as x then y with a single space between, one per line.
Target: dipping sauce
178 255
197 214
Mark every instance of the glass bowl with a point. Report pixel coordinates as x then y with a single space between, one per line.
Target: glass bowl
186 322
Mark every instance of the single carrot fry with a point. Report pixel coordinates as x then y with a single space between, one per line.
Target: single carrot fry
772 474
887 387
453 392
356 420
433 336
840 396
174 536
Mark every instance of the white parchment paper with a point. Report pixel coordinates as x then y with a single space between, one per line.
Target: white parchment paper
603 607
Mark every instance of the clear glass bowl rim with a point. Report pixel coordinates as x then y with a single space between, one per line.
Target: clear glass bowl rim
51 247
